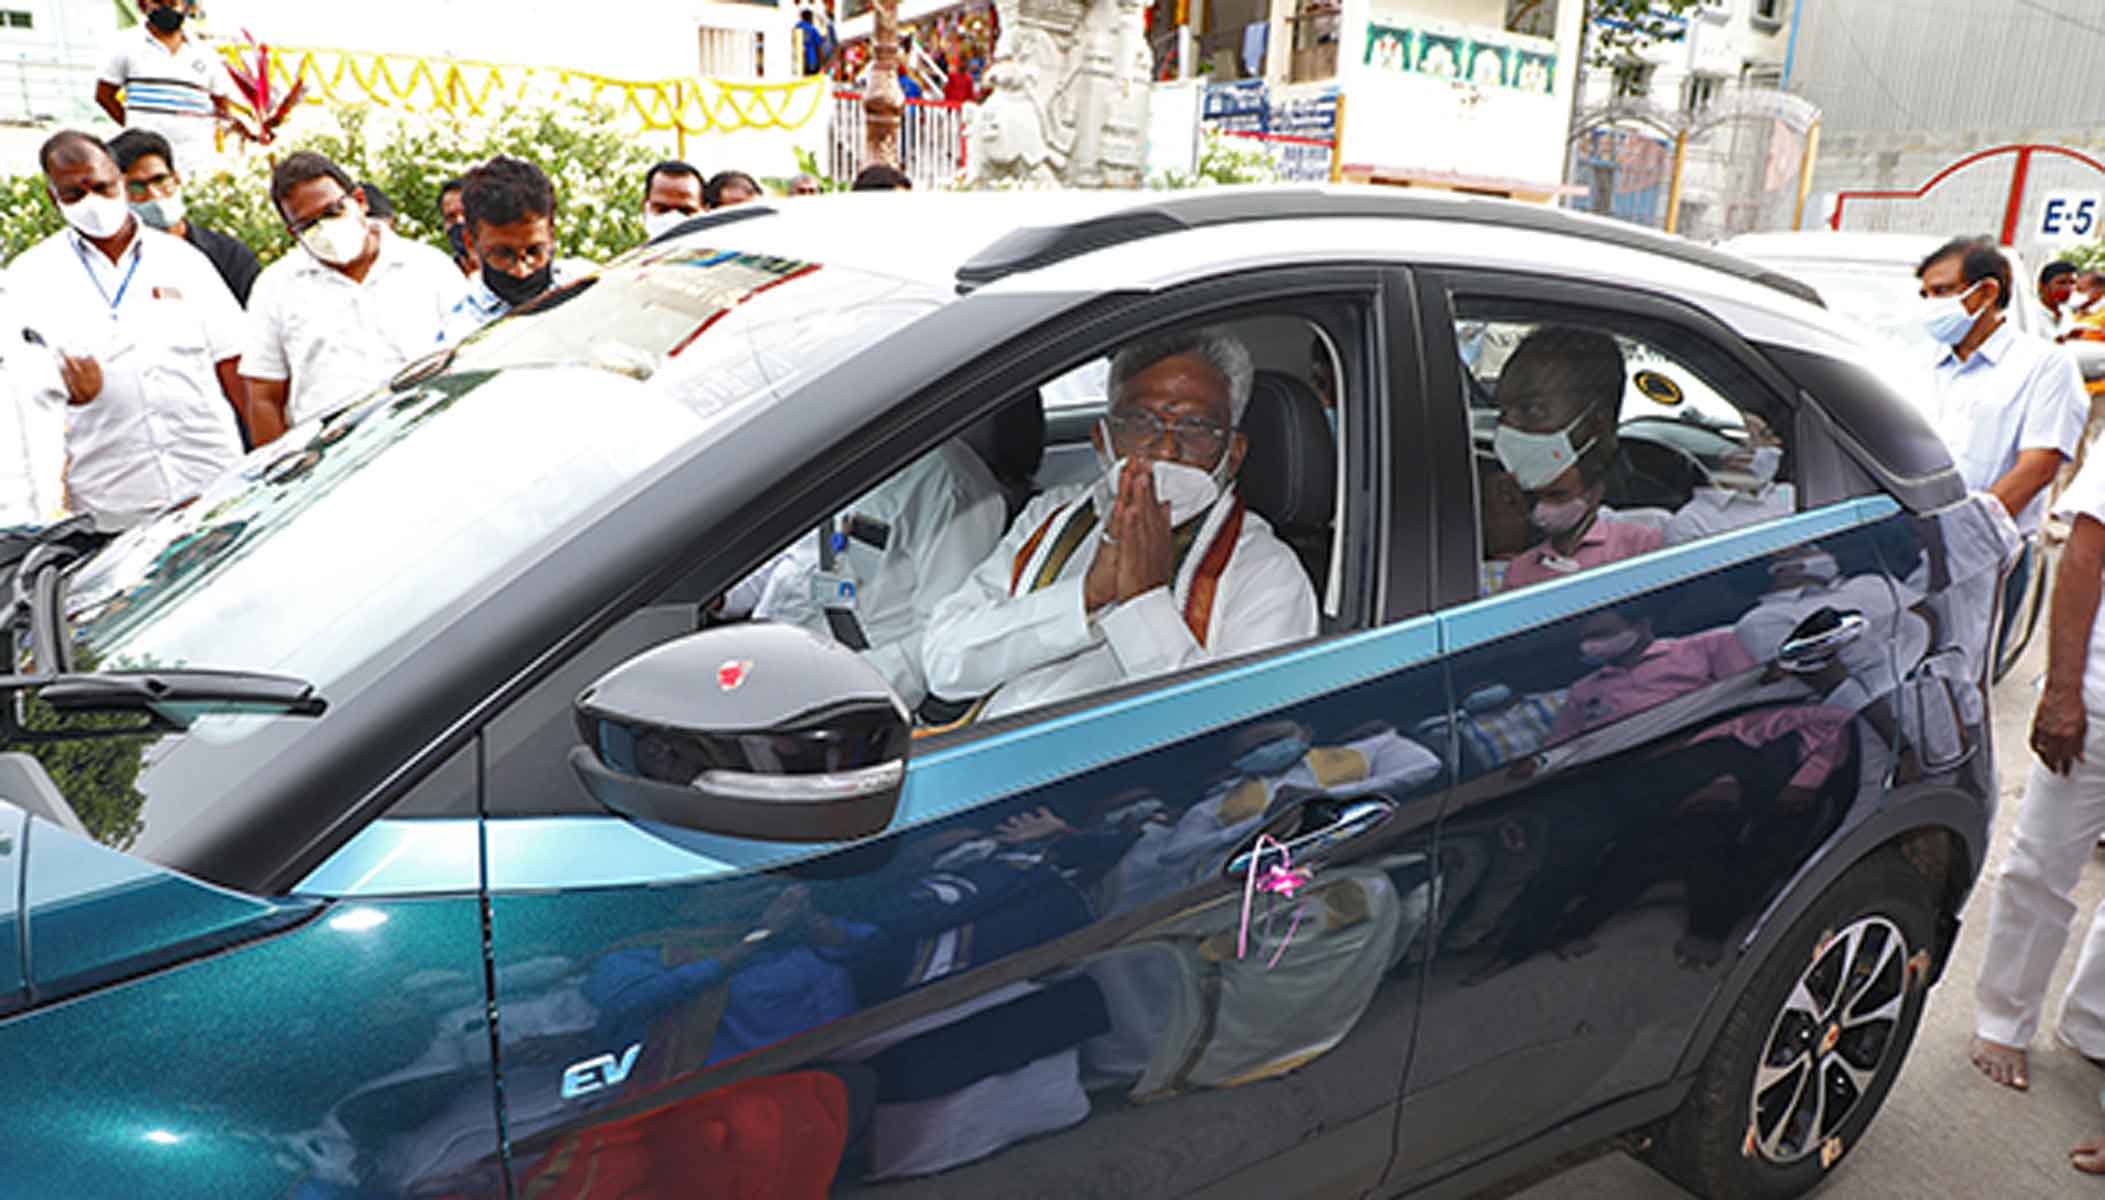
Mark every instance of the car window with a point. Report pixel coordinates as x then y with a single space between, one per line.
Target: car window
963 576
1600 437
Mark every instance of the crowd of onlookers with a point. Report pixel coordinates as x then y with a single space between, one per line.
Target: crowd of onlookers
142 351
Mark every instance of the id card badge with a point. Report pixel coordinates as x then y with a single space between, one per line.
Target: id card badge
831 589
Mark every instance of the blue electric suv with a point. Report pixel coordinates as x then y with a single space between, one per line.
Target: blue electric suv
551 776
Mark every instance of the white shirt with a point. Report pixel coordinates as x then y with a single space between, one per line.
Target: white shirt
2015 393
2085 496
33 423
1715 510
336 338
158 321
479 305
940 517
170 92
1041 647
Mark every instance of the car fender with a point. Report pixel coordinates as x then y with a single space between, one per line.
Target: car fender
1907 812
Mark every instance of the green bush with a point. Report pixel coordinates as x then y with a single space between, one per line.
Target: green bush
596 165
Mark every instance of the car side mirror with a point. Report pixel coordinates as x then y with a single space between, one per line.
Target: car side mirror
755 731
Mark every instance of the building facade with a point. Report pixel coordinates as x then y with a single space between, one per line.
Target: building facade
1702 109
1909 90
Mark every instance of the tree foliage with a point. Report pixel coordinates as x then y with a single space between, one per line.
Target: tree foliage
1222 160
1619 29
596 165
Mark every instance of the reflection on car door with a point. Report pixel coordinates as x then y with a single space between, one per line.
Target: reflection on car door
1068 959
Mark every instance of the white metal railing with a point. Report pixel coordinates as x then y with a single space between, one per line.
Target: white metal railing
933 149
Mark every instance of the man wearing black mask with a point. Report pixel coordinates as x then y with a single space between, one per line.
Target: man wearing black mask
509 206
169 83
454 216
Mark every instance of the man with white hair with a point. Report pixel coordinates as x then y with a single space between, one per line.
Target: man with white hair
1155 567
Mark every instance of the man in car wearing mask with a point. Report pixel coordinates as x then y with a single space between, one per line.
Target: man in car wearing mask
339 315
2011 406
156 190
510 207
1155 567
147 336
1557 398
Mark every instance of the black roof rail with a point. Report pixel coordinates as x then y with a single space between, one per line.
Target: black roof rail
716 217
1032 247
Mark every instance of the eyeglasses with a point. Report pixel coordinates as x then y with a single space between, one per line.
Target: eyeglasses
1138 426
523 258
335 209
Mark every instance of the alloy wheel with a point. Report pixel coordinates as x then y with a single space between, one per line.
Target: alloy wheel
1829 1042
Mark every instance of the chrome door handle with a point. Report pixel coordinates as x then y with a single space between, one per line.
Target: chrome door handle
1360 816
1801 653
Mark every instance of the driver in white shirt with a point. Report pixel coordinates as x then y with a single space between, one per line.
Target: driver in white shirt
898 552
1743 491
1155 567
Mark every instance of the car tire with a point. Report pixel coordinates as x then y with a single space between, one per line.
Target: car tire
1836 1003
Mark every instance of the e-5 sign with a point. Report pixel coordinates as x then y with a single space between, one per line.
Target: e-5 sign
2069 217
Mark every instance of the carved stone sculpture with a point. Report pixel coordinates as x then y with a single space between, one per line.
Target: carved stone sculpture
1068 96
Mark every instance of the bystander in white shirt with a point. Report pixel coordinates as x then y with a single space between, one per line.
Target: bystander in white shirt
171 92
1034 647
2015 393
480 305
157 321
937 519
33 425
336 338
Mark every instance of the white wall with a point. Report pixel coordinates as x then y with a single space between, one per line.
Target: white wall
48 70
1417 122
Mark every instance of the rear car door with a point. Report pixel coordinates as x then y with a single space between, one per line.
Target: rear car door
1060 970
1657 725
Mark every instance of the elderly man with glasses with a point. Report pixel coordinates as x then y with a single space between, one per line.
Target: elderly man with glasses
1154 567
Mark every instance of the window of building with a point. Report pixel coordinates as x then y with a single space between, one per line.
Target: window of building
15 18
1769 10
1633 80
1699 92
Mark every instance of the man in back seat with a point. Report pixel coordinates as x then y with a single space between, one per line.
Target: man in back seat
1557 408
1155 567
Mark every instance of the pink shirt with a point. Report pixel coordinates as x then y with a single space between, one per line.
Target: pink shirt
1668 668
1819 724
1608 541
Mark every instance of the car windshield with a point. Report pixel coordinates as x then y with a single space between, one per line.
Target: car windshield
323 553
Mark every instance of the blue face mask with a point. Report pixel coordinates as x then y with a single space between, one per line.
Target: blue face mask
1273 757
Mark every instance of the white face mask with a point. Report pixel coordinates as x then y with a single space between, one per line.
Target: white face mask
1534 459
1945 318
164 213
1752 474
658 224
97 216
338 240
1188 490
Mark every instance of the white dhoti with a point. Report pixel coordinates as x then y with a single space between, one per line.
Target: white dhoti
2028 921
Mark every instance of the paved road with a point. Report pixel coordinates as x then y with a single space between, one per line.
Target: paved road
1945 1131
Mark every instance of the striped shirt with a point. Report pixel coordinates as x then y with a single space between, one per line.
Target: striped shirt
169 91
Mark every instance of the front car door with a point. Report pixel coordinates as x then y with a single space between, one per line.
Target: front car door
1043 977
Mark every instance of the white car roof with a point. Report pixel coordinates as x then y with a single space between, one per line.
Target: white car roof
1828 246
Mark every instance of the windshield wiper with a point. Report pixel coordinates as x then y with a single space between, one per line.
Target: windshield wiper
150 691
40 602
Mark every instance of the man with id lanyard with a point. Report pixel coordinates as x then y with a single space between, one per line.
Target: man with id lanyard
148 338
